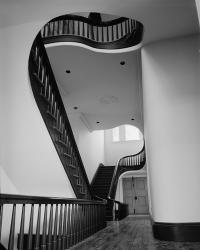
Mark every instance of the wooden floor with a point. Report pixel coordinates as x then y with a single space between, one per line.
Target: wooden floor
132 233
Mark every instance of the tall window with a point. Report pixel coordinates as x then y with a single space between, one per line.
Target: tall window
126 133
132 133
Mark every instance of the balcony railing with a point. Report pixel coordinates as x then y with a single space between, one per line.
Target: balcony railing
33 223
116 34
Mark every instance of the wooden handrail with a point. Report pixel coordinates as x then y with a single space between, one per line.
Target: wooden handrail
53 112
114 34
48 223
24 199
127 163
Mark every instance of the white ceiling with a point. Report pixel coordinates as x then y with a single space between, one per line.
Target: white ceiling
103 90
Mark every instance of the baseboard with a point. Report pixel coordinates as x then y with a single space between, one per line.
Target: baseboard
176 231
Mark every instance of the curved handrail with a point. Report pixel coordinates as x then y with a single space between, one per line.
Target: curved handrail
51 107
118 33
131 160
127 163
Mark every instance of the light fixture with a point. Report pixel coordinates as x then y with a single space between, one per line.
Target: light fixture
122 62
132 119
97 122
75 107
68 71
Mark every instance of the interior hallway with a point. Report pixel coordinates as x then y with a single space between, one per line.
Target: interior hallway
132 233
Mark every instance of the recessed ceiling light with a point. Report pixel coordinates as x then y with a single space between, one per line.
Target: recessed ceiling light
68 71
132 119
97 122
75 107
122 62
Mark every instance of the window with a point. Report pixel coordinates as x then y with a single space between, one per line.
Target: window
132 133
126 133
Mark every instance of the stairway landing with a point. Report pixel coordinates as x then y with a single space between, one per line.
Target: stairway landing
132 233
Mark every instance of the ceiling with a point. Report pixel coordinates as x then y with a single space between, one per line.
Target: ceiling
102 91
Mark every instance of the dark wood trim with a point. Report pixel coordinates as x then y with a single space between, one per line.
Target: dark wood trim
176 231
24 199
90 21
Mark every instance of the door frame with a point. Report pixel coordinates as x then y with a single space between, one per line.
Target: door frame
137 175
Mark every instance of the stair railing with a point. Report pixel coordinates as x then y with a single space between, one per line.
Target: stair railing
47 223
125 164
118 33
53 112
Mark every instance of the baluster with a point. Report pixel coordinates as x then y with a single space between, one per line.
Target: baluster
107 29
88 34
112 33
60 228
83 29
1 218
97 34
37 240
117 31
68 29
21 234
58 27
102 32
30 232
64 228
53 28
63 27
12 229
75 223
48 29
44 234
79 222
128 21
122 30
49 242
68 227
73 27
79 28
132 26
126 28
72 224
55 229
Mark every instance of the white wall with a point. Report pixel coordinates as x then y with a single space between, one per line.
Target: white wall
171 93
116 150
27 154
90 145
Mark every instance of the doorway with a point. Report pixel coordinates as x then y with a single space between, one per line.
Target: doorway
135 195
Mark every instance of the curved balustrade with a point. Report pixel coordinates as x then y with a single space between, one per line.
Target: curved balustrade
116 34
133 161
53 112
125 164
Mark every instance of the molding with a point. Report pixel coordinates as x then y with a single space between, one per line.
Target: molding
178 232
109 51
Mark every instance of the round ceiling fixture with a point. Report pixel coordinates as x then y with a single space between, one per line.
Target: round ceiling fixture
97 122
68 71
132 119
122 62
75 107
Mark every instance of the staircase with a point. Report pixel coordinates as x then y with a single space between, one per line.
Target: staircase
101 186
102 181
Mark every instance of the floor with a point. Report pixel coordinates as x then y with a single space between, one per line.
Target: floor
132 233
